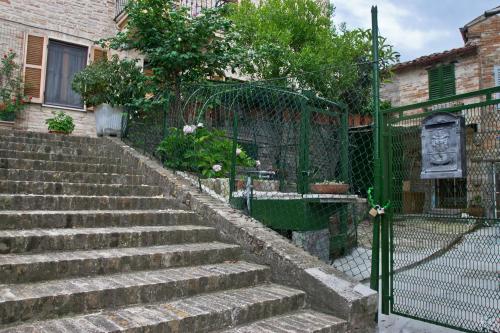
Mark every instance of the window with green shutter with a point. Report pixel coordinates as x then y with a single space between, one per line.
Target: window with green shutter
441 81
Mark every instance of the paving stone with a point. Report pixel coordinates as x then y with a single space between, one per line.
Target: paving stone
58 188
71 177
202 313
57 265
45 300
305 321
51 148
40 240
82 202
30 164
43 219
61 157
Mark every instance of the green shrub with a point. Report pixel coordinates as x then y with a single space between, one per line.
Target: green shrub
60 123
116 82
196 149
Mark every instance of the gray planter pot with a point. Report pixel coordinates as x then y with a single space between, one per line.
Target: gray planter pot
108 120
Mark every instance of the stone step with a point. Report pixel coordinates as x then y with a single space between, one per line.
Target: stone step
48 240
53 188
56 142
54 149
71 177
304 321
196 314
45 300
50 136
82 202
25 164
16 268
43 219
60 157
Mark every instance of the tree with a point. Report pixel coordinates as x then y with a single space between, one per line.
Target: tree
179 48
297 38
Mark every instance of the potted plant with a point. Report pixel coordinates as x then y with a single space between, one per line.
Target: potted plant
476 207
329 187
110 85
60 124
12 98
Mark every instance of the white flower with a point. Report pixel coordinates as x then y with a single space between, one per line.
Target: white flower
217 167
145 11
257 163
188 129
238 151
200 125
179 39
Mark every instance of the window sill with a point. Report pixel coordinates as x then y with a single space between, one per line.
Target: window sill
64 107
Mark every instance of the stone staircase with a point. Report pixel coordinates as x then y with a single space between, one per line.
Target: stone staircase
88 245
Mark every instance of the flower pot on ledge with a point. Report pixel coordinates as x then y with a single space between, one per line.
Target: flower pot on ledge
329 188
58 132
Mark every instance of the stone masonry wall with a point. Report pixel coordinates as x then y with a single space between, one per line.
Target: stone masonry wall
410 86
75 21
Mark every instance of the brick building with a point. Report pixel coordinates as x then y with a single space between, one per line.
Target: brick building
475 65
471 67
53 41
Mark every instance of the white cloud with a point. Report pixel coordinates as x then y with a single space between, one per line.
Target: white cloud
403 26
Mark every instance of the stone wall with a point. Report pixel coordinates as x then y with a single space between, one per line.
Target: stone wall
411 85
74 21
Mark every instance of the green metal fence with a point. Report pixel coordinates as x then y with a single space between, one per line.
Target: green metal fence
294 153
445 233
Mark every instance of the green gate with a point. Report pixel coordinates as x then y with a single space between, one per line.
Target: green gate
444 249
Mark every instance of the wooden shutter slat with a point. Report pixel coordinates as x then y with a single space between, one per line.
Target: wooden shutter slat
99 54
34 64
33 82
34 51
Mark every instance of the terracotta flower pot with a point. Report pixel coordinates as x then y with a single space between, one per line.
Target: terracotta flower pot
58 132
329 188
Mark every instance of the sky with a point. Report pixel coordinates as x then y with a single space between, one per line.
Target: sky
417 27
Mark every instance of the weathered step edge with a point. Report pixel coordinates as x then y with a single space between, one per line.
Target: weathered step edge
15 268
196 314
328 289
57 298
48 240
45 219
82 202
304 321
88 189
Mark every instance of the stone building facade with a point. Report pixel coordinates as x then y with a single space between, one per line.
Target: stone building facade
474 66
35 29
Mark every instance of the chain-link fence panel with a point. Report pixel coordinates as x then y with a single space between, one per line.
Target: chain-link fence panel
294 153
446 230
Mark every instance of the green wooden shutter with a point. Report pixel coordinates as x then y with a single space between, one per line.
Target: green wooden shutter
441 81
434 83
448 80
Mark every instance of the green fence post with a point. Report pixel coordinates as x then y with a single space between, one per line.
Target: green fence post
381 223
305 125
374 276
232 179
344 148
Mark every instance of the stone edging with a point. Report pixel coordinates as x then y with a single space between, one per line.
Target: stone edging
328 290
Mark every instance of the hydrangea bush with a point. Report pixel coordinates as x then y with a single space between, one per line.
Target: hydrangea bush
197 149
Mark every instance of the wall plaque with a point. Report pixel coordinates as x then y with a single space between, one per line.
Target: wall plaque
443 146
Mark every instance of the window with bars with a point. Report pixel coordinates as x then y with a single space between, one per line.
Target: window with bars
441 81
